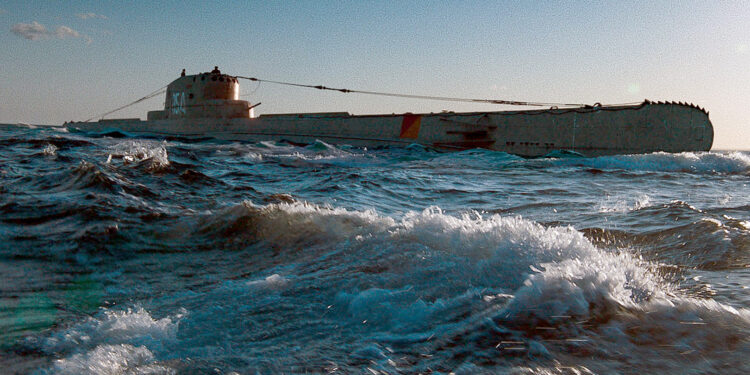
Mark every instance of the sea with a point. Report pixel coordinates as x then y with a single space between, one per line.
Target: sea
144 255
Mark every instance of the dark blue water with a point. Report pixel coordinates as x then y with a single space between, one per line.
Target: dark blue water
148 256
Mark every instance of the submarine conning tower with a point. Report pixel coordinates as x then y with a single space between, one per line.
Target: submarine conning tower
205 95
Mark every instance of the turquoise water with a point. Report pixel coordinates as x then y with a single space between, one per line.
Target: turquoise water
149 256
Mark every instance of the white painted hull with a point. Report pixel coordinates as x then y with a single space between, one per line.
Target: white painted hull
644 128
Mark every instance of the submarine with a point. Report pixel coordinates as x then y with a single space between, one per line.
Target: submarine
207 105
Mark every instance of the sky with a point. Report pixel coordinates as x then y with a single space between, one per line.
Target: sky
72 60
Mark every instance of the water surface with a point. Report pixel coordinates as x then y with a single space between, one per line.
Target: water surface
149 256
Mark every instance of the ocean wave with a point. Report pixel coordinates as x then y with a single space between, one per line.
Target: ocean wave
274 282
502 251
139 151
110 359
87 176
479 159
114 342
19 213
264 257
60 142
291 155
705 243
287 224
50 150
626 204
134 326
195 177
465 288
532 280
689 162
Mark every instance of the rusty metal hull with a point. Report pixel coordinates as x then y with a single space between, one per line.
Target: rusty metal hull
591 131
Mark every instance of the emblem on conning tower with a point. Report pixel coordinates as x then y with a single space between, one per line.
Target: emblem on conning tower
178 102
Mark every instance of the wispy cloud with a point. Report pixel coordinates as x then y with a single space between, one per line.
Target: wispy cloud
31 31
37 31
63 32
85 16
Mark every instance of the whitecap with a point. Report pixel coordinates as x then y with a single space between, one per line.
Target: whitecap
135 151
620 204
274 281
49 150
133 326
110 359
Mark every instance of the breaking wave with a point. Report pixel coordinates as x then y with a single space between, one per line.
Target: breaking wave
114 342
466 289
139 151
130 255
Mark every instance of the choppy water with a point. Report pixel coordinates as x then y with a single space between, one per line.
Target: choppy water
144 256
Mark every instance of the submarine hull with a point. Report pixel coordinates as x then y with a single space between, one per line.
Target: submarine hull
591 131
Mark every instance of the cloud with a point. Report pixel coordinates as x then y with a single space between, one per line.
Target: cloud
37 31
63 32
30 31
741 48
85 16
634 88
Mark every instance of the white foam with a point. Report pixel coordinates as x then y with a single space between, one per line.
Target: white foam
135 151
625 204
133 327
318 150
50 149
572 287
503 247
111 359
254 156
274 281
559 369
571 276
509 243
